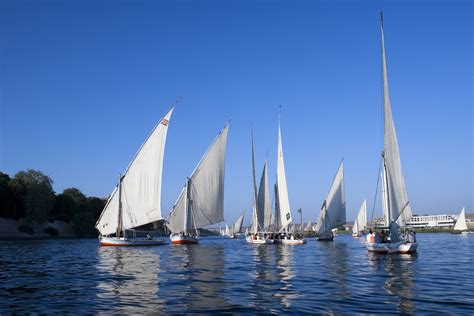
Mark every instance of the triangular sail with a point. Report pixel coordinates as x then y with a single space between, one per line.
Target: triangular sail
277 221
237 227
179 219
141 185
205 198
309 226
264 208
399 208
361 220
333 211
255 212
461 222
284 215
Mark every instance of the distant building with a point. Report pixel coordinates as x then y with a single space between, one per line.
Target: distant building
431 221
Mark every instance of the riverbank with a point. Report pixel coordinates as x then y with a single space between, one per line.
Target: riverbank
11 229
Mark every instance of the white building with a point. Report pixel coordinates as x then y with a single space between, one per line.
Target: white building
431 221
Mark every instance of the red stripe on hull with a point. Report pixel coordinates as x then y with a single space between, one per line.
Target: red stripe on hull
183 242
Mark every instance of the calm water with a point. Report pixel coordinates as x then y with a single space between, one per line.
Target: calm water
223 275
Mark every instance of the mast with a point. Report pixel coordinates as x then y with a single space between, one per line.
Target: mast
254 181
187 205
120 221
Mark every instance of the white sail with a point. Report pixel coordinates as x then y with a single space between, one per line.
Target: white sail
179 219
255 213
398 205
264 208
281 192
204 203
361 219
237 227
309 226
333 211
461 222
207 184
141 185
227 230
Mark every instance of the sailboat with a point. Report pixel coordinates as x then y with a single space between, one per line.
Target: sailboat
136 200
333 210
361 220
237 226
461 226
201 201
397 210
283 216
261 217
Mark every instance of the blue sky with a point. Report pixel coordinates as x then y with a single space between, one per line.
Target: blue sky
83 82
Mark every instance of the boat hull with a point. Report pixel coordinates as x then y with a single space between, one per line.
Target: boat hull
293 241
183 240
356 235
325 238
259 241
392 248
124 242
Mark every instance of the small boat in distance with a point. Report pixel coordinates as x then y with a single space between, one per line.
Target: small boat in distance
333 210
391 239
201 201
140 184
461 226
361 220
237 226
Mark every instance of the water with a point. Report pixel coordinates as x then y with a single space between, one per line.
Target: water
224 275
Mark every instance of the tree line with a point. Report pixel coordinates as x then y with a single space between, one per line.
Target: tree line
29 195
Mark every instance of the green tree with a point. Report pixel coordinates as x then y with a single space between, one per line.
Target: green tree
35 189
63 208
7 198
76 195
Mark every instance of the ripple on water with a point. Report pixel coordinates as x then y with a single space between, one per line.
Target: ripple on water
230 276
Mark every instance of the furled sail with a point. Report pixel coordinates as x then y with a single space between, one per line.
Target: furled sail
461 222
141 185
333 211
361 220
204 201
284 213
237 227
398 205
264 208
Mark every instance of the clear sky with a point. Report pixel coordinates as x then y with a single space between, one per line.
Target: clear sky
82 83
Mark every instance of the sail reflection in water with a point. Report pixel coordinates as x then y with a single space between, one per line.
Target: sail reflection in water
195 282
130 273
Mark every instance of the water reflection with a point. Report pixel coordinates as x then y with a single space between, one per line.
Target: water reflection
284 261
196 283
399 271
335 266
129 273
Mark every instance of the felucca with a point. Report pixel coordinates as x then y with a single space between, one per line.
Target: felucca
461 226
201 202
261 216
237 226
283 216
333 210
361 220
136 200
397 210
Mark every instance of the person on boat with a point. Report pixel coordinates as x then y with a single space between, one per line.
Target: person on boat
148 236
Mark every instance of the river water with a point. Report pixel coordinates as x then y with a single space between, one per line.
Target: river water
225 275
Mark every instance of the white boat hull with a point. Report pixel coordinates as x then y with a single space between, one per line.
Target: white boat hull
183 240
392 248
114 241
259 240
356 235
293 241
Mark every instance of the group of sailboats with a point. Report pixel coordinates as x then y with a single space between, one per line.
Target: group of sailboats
136 201
236 228
264 229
